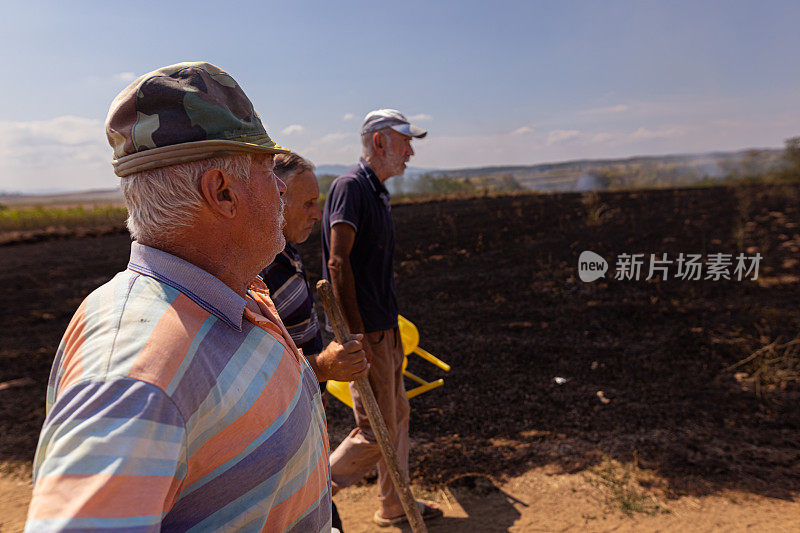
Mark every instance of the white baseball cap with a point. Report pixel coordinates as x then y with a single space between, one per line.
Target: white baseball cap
390 118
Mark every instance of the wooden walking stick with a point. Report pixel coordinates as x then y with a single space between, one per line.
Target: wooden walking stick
342 334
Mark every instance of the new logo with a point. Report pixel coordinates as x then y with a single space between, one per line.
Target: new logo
591 266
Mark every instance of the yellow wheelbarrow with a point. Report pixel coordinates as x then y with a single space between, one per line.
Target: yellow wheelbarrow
409 336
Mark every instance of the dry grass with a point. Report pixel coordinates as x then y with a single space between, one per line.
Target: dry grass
627 487
39 218
597 212
772 367
34 224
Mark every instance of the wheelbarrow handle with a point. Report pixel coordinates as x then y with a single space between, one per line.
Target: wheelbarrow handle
342 334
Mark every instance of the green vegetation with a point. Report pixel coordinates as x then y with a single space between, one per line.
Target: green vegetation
650 175
38 218
324 181
623 486
760 166
647 172
431 185
716 168
753 166
792 153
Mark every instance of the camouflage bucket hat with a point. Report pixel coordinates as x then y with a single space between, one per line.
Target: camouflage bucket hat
182 113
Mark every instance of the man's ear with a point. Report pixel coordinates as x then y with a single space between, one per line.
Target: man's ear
217 189
378 141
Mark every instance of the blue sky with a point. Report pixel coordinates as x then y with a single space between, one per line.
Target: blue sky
495 83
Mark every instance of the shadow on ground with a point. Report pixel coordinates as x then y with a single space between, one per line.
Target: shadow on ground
488 508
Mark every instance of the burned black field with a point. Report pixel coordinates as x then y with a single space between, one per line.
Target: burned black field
492 283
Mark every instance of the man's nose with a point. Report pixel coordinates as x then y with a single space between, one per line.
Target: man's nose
281 185
410 150
316 213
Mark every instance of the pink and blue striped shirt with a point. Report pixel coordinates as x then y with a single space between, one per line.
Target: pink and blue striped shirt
173 405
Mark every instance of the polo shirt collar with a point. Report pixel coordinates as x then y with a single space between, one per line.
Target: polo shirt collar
201 287
374 182
291 257
290 250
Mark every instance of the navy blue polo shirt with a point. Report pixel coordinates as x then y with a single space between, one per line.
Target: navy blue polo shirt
359 199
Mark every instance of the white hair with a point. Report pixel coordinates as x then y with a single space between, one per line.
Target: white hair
163 200
366 140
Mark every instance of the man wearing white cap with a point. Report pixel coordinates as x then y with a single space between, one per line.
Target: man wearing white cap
358 252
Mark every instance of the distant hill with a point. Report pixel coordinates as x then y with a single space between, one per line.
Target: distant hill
85 198
577 175
338 170
639 171
592 174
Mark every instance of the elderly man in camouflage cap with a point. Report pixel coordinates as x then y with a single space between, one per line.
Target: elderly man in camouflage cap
177 398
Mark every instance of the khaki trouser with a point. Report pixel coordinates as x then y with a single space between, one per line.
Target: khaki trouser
359 451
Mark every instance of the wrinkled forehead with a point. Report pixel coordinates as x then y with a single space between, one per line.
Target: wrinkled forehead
304 182
264 160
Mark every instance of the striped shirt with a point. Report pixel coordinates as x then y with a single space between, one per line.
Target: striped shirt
172 405
291 293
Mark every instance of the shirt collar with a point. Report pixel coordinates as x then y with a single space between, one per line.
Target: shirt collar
201 287
290 250
374 182
292 256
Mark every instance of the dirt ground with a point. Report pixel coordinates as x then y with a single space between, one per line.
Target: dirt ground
547 501
541 499
651 429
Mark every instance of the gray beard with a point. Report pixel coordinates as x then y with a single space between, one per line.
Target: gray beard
280 240
282 220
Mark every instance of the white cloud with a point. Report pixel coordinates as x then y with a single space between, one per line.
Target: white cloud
617 138
560 136
604 137
18 140
71 152
66 152
126 77
728 123
420 117
677 125
333 137
644 134
522 131
333 148
348 116
621 108
292 130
